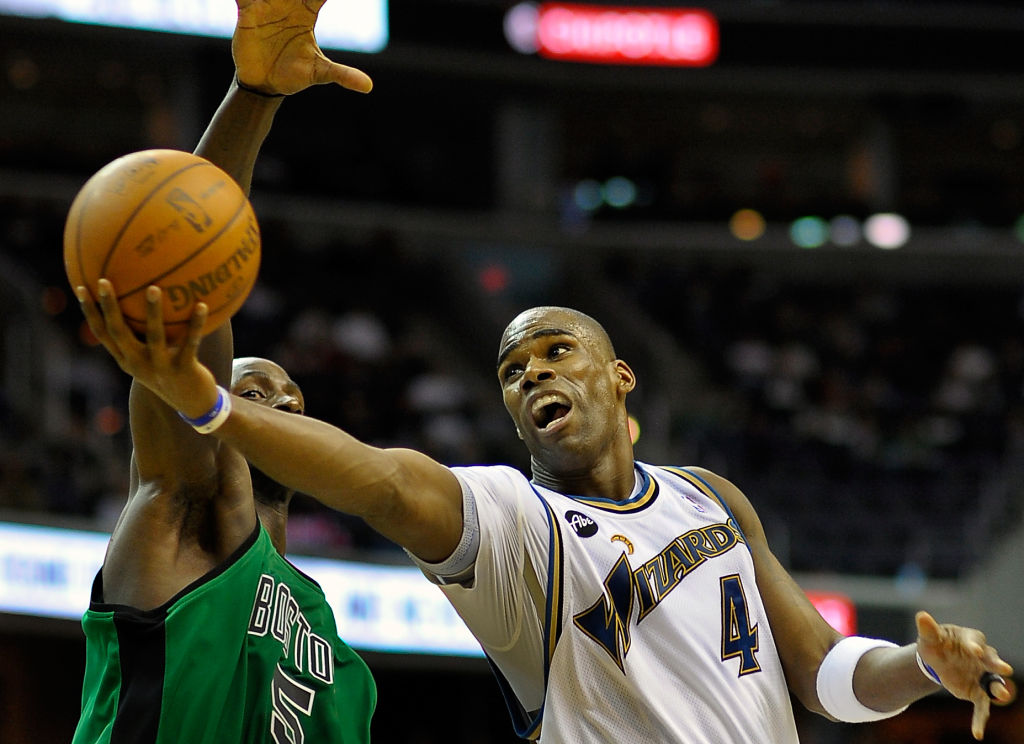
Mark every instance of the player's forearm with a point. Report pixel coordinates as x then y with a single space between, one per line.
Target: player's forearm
165 448
403 494
889 678
236 133
312 457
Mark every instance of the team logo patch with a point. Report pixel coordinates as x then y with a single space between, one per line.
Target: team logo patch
581 524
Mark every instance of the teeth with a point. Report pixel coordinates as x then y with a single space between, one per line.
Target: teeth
544 400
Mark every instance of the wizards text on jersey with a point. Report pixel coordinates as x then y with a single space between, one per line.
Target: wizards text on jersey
607 620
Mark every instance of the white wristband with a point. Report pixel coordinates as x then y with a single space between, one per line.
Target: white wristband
212 419
835 681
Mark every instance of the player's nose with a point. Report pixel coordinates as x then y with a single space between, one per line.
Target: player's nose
536 374
288 403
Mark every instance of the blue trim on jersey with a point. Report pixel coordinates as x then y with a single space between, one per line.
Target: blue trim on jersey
556 575
527 724
524 722
645 497
709 491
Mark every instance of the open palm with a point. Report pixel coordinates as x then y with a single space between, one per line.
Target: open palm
276 52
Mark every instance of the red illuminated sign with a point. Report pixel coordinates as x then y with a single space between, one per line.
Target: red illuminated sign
615 35
837 609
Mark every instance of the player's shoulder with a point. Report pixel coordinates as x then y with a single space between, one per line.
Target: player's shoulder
727 493
495 472
505 487
492 478
715 485
692 473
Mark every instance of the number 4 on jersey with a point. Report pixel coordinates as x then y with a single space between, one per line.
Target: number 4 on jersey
739 639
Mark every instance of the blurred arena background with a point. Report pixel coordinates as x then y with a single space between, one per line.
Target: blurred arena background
811 250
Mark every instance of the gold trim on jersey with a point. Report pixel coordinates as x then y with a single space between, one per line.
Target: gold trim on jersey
696 481
712 494
648 493
553 610
552 614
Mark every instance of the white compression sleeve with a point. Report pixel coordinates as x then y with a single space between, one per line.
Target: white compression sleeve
458 567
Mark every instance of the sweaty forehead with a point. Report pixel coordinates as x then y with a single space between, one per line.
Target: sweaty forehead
542 321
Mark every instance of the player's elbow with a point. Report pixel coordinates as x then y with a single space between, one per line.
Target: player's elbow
803 686
419 507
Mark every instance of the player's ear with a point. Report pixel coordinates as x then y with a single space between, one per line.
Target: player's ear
627 380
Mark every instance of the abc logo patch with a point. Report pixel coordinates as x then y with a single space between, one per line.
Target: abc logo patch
581 524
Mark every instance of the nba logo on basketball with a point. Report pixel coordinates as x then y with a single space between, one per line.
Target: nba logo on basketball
189 209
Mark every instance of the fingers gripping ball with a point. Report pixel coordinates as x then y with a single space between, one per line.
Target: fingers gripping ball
168 218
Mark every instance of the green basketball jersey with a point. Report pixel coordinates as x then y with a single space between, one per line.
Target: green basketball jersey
248 653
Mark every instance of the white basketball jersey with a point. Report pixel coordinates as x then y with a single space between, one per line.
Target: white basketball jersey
635 621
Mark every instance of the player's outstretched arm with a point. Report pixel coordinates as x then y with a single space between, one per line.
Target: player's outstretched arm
884 679
235 134
403 494
275 54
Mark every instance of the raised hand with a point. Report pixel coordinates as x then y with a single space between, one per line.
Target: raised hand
961 656
174 374
276 53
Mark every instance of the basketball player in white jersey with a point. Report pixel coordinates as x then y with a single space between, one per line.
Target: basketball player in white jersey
617 601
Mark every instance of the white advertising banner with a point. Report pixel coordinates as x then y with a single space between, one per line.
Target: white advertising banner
354 25
45 571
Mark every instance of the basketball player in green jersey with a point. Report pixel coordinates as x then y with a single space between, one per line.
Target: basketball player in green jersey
198 630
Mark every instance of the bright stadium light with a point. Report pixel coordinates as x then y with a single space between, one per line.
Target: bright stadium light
809 232
619 192
887 230
521 28
588 195
747 224
844 230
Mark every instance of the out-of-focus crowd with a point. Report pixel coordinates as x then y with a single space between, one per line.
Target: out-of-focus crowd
878 428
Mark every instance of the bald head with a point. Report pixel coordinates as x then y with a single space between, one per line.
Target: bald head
266 382
243 366
553 320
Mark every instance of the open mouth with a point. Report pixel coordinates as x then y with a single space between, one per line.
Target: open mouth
549 411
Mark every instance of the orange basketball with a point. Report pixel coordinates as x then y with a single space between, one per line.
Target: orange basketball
167 218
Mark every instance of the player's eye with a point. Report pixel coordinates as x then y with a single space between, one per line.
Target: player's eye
511 371
558 349
252 394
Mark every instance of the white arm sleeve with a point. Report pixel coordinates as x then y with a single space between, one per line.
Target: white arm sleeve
458 567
